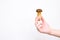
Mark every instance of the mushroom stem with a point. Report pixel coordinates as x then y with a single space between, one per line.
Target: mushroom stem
38 14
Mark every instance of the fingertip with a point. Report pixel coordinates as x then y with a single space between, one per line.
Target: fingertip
37 18
42 19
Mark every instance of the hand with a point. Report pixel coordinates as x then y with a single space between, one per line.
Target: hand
42 27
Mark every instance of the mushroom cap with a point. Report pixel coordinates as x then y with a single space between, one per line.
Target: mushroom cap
39 10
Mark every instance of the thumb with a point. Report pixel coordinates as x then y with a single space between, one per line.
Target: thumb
43 20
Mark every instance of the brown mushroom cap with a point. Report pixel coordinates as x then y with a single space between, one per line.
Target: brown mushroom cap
39 10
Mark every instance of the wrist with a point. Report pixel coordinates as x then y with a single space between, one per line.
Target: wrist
54 32
50 31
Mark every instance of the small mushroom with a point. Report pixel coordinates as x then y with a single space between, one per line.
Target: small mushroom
39 13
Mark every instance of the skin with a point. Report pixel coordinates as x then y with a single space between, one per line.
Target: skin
45 28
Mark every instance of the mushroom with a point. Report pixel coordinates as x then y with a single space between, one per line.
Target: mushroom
39 13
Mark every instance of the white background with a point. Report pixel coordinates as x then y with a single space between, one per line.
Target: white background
17 19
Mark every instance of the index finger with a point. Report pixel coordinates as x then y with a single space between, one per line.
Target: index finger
37 19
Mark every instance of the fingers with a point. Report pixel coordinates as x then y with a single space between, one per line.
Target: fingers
39 27
39 18
36 20
38 24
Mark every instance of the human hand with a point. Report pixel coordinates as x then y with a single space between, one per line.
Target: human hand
42 27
